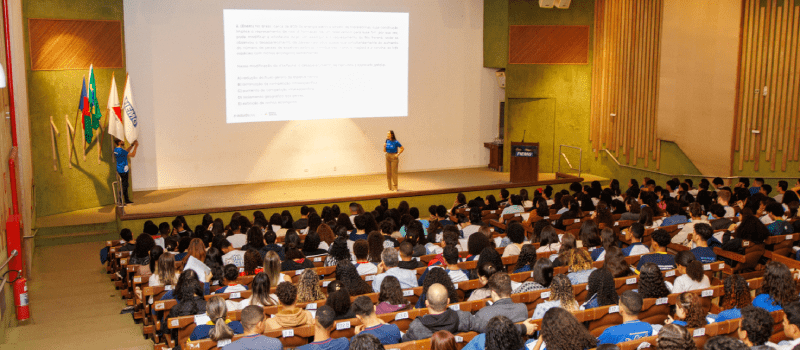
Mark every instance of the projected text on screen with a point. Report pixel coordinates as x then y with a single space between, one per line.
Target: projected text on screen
302 65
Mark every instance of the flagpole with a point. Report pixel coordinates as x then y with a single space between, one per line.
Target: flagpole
70 137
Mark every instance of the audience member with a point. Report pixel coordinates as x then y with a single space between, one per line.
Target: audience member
659 255
218 328
778 288
323 325
756 328
561 295
253 322
290 316
388 267
630 304
675 337
691 273
439 316
371 324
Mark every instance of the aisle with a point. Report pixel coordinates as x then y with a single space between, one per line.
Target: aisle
74 304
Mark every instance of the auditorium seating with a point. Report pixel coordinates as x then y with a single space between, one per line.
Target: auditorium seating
655 311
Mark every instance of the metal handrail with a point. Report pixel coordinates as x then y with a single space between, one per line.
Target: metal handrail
685 175
580 159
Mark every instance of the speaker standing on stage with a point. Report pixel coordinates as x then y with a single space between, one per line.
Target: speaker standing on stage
393 148
121 154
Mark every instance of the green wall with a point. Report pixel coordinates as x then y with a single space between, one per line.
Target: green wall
552 103
56 93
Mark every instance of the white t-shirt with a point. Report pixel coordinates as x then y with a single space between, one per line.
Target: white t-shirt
235 257
729 212
684 283
238 240
366 269
639 249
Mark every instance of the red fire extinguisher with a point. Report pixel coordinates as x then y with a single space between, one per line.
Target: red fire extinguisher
21 299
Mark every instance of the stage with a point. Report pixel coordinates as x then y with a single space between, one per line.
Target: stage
294 193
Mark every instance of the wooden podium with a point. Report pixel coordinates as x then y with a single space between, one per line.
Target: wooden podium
524 162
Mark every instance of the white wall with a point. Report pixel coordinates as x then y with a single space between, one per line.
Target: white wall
174 52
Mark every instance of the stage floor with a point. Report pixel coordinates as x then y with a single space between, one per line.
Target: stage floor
164 203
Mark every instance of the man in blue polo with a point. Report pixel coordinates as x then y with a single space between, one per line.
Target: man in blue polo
121 155
630 304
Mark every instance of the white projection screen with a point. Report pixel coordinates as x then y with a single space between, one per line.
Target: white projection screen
442 108
305 65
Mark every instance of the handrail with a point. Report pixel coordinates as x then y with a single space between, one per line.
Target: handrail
687 175
580 159
13 254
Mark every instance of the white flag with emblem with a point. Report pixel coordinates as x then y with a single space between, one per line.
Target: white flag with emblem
129 112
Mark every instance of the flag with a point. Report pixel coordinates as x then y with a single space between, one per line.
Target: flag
83 107
115 124
131 122
94 105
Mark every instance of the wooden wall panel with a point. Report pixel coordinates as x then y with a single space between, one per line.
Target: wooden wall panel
768 100
548 44
625 78
75 44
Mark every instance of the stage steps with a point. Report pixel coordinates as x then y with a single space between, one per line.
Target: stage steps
61 235
74 305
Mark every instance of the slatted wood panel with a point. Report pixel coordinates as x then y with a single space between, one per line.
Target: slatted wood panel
75 44
627 48
768 90
548 45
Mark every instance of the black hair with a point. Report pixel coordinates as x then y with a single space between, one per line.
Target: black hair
694 268
661 237
601 282
502 334
363 306
722 342
450 254
516 233
758 323
543 272
632 301
231 272
126 235
365 341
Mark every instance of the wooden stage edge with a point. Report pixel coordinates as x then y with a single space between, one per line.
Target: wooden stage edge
561 178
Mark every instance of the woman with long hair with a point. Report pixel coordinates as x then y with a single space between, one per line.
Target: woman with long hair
252 263
440 276
308 288
141 250
272 267
343 220
602 215
675 337
616 263
339 252
295 259
326 236
608 239
375 243
561 295
577 259
443 340
339 301
393 149
778 289
311 245
601 290
255 239
261 293
188 293
490 255
219 328
562 331
197 250
736 297
542 277
689 312
651 283
691 270
491 203
215 264
548 240
165 273
526 259
390 298
484 272
347 273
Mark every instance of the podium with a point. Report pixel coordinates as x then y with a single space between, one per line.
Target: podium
524 162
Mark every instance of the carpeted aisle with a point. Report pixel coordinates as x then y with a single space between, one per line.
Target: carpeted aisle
74 304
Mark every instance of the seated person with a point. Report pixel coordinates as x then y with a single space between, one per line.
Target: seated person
723 342
290 316
231 255
407 260
736 296
500 286
778 288
218 328
501 334
716 215
363 266
450 256
253 324
791 325
674 210
439 317
230 273
371 324
636 248
674 336
630 304
691 273
689 312
561 330
323 325
127 236
660 257
183 245
388 267
561 295
755 328
270 237
702 234
778 226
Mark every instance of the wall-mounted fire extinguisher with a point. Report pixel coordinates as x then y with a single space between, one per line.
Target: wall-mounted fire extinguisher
21 299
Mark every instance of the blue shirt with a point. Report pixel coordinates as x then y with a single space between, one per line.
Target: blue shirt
121 156
597 251
392 146
729 314
255 341
354 236
201 331
704 254
674 220
329 344
663 260
386 333
627 250
766 302
627 331
479 343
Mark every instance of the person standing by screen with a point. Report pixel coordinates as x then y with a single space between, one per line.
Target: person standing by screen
393 148
121 155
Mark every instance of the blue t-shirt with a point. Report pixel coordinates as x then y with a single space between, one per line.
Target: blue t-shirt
663 260
766 302
329 344
704 254
255 341
729 314
596 252
627 250
121 156
386 333
627 331
201 331
392 146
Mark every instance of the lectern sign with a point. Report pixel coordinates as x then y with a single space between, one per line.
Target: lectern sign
525 151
